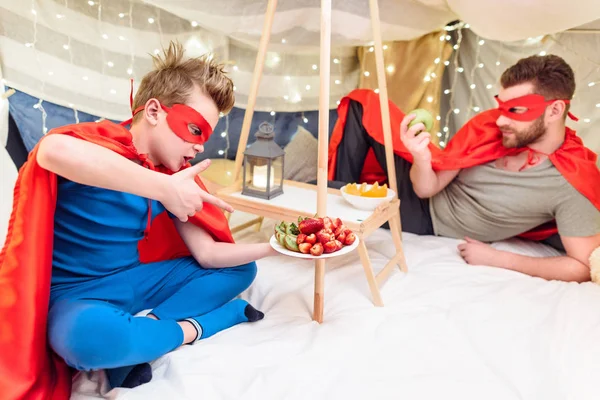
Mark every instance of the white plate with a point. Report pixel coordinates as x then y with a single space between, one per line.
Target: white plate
344 250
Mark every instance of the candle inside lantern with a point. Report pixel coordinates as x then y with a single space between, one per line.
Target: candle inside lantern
259 178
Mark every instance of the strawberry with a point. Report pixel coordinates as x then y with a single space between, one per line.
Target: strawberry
341 237
323 237
338 245
327 224
316 250
311 225
330 247
340 229
301 238
312 239
350 238
305 248
336 223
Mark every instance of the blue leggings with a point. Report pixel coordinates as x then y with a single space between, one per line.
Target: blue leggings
91 325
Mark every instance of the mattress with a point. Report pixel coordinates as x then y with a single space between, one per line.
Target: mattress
448 330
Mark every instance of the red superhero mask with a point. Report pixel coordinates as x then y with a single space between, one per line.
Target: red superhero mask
186 122
526 108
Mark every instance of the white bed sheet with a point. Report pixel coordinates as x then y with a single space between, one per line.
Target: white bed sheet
448 331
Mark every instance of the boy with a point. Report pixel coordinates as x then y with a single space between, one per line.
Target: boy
115 251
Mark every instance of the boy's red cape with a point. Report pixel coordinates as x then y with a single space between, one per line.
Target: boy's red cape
29 369
477 142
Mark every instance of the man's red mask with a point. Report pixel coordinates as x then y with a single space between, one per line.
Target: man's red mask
526 108
186 122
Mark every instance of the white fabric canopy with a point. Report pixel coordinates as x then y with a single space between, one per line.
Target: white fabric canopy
82 53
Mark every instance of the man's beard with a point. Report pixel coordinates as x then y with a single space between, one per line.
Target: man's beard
520 139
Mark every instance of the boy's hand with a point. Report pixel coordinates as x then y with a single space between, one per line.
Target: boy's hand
416 144
183 197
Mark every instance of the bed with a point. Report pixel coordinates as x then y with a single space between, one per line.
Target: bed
448 330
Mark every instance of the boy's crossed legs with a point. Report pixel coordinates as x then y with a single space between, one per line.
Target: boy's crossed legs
92 325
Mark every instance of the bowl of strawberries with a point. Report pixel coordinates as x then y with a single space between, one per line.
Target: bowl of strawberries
313 238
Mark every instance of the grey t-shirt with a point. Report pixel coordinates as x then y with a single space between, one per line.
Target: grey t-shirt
490 204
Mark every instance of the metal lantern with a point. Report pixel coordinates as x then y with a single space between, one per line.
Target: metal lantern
263 165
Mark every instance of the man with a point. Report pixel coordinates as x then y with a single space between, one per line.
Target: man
121 231
509 172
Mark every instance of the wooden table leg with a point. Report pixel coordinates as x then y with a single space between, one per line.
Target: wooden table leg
319 290
396 230
368 267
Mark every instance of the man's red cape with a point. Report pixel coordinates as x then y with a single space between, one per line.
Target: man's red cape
478 141
29 369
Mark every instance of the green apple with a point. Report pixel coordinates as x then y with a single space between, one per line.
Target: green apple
424 117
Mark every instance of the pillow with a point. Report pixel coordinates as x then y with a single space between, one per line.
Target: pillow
301 157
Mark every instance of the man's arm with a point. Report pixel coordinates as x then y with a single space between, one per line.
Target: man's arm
212 254
91 164
427 182
575 266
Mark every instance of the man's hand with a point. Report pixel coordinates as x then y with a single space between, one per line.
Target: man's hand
475 252
563 268
416 144
184 198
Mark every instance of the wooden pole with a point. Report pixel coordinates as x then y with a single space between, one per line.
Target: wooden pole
256 77
325 56
383 97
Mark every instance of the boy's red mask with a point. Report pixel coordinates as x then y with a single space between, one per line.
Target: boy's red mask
186 122
530 107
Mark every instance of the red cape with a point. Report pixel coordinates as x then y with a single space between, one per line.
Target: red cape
29 369
478 141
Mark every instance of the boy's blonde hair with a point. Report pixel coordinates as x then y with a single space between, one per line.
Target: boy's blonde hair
174 78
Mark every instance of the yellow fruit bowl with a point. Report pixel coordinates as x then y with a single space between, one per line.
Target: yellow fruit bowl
365 196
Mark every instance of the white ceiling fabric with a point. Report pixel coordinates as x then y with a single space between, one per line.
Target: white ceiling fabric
82 53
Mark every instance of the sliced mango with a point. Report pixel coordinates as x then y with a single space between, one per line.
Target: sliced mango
376 191
352 189
362 190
